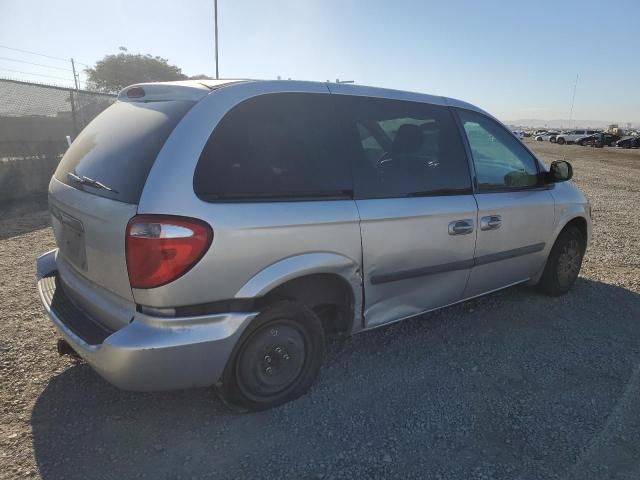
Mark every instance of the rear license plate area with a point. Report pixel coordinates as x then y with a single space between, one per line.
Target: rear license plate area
70 237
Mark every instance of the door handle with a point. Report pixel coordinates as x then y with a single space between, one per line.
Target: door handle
490 222
461 227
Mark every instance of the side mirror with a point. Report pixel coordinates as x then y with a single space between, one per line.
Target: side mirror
560 171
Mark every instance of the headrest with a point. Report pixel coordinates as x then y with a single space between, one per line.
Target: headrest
408 139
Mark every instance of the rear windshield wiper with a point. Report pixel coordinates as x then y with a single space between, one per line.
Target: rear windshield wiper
90 181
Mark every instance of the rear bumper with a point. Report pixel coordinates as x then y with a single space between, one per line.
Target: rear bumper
150 353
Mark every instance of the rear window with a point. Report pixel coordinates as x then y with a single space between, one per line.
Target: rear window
118 148
275 147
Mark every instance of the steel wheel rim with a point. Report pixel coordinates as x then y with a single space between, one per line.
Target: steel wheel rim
271 359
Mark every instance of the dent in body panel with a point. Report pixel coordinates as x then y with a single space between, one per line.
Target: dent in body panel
405 236
309 264
407 298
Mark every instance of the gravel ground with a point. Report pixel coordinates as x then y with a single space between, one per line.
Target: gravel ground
514 385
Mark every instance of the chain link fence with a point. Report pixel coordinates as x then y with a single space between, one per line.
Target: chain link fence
34 123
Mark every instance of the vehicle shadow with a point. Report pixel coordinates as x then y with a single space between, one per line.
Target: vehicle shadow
516 384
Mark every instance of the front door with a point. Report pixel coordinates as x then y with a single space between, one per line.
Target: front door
515 212
417 211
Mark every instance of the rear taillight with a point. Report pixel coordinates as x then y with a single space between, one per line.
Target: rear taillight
161 248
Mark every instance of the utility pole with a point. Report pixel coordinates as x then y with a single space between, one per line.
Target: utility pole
75 76
573 99
215 20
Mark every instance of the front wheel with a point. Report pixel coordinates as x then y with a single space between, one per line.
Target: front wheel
561 141
564 262
276 360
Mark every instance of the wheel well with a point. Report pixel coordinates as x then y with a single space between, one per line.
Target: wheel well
580 223
329 295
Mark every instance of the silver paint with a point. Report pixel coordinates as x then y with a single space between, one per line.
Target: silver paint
259 246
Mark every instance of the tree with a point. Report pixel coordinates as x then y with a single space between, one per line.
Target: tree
200 76
114 72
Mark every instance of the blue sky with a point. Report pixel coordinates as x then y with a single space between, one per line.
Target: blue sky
515 59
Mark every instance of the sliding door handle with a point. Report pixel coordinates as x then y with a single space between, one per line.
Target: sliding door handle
490 222
461 227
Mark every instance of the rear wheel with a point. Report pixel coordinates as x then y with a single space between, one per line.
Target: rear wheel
277 359
564 262
561 141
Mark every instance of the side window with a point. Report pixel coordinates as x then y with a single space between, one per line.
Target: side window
275 146
403 148
500 160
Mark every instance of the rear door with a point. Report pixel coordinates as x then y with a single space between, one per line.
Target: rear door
417 211
95 192
515 213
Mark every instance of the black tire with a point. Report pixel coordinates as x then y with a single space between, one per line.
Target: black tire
561 141
581 143
564 262
277 358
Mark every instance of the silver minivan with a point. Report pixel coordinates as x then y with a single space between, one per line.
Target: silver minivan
214 232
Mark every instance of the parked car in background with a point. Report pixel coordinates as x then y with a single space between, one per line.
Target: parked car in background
599 140
573 136
547 136
629 142
213 232
553 136
518 134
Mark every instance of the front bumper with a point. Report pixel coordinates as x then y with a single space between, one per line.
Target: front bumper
150 353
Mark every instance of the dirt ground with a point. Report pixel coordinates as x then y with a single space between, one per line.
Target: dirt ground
512 385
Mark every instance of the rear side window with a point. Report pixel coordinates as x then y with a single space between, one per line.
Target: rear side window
403 149
119 147
272 147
